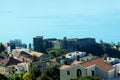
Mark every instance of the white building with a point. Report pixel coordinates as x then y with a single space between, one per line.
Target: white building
73 55
112 61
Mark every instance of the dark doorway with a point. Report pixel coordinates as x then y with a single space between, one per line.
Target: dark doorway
93 73
79 73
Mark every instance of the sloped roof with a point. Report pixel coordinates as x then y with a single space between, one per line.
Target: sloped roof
98 61
20 52
25 54
68 66
38 54
65 66
9 61
76 62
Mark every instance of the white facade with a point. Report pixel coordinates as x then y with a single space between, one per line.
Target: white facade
73 55
112 61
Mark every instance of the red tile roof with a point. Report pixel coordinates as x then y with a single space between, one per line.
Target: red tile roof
98 61
65 66
76 62
68 66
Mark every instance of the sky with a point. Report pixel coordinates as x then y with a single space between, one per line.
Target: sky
24 19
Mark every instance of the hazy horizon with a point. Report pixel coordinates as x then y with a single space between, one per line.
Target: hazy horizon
24 19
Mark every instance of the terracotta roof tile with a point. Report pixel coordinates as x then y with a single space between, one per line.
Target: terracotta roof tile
98 61
76 62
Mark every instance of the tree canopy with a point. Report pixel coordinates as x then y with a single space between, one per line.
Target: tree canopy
54 73
2 77
34 72
54 52
26 76
18 76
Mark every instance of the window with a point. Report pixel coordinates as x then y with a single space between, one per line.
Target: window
79 73
68 72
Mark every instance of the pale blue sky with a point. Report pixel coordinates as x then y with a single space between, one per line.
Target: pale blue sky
24 19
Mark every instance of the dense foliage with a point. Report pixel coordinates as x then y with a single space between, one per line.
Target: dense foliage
34 72
54 73
54 52
18 76
2 77
26 76
95 49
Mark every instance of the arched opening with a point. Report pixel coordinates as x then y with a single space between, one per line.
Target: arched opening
79 73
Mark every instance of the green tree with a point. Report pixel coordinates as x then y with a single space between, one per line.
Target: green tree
44 77
26 76
95 49
110 51
3 77
54 73
54 52
62 52
18 76
34 71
